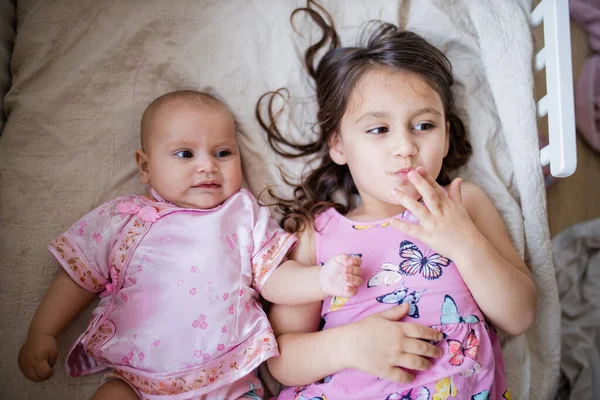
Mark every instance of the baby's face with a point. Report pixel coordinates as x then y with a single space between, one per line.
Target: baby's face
192 155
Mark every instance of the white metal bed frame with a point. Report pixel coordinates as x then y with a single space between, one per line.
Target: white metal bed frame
557 104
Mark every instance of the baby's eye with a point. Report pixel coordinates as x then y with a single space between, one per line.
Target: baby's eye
425 126
380 130
222 153
184 154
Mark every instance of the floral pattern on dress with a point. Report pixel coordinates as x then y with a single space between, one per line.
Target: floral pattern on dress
68 256
208 373
134 250
269 257
102 335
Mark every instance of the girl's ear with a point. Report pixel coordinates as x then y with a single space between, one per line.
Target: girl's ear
447 143
336 149
141 159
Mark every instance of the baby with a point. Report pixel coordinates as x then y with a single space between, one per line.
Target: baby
179 272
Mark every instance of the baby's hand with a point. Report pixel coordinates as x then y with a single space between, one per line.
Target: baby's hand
340 276
37 357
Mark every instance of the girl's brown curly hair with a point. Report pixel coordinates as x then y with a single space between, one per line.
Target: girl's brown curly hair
335 76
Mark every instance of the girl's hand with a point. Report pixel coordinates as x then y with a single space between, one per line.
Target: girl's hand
340 276
37 356
444 224
383 347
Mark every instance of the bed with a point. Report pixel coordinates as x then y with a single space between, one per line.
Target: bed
84 70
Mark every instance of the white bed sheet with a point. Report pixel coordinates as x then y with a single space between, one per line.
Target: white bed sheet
83 71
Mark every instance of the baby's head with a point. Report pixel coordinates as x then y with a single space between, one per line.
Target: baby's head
189 153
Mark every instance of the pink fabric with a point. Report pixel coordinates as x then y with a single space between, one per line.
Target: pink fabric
587 92
248 387
182 317
472 363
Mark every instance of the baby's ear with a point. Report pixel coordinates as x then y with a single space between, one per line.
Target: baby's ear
141 160
336 149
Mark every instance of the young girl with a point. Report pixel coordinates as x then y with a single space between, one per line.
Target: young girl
435 252
179 272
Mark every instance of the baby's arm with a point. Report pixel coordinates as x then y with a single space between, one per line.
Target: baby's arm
63 301
293 283
350 346
283 281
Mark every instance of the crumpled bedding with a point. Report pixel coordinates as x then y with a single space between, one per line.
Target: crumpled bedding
83 72
576 253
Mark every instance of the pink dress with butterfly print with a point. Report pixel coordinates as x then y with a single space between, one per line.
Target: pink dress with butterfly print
179 315
398 269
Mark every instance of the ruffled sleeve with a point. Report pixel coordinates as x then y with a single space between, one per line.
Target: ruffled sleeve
84 249
271 245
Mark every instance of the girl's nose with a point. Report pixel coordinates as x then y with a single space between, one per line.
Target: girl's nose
404 145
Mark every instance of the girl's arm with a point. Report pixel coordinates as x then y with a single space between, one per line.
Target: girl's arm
493 270
63 301
466 227
349 346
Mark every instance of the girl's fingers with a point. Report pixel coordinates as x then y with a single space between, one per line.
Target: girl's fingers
412 205
431 198
413 230
413 362
425 175
455 190
421 348
396 374
417 331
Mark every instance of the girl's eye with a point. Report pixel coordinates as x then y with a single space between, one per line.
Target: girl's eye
425 126
380 130
222 153
184 154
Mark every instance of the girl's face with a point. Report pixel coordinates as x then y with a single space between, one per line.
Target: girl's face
394 123
192 158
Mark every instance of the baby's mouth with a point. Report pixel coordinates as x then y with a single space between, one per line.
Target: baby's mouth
208 185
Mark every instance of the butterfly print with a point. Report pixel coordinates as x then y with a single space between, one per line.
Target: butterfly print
389 276
337 303
484 395
365 227
450 313
420 393
474 370
401 296
458 351
445 388
413 262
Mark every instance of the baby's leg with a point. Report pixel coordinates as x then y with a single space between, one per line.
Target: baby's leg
115 389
